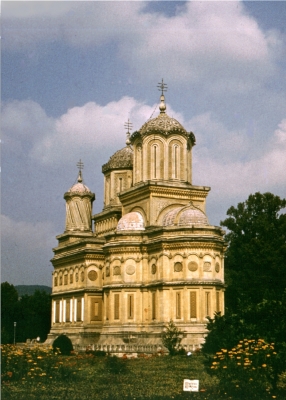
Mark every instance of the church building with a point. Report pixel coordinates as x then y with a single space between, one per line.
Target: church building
150 256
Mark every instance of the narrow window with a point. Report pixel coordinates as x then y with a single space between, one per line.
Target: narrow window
107 303
82 309
75 310
176 161
217 302
116 306
153 305
120 184
61 311
130 306
78 311
193 305
68 312
54 312
155 161
178 305
208 299
64 310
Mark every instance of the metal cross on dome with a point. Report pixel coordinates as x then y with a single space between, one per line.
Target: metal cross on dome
128 125
163 87
80 165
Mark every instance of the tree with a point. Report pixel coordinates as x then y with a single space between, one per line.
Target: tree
9 311
256 254
171 338
35 316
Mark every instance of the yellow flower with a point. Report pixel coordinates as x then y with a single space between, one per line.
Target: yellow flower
264 365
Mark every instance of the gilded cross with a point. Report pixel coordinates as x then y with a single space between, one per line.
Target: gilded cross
163 87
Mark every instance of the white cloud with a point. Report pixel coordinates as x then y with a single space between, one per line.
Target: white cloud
81 130
240 178
216 41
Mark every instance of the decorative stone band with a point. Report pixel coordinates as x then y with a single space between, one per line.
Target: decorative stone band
158 283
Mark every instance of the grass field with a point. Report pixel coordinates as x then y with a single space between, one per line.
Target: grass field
87 377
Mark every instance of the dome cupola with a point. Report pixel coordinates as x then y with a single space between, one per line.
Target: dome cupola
132 221
118 172
185 216
79 201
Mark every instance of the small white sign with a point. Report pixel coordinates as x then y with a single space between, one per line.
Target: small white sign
191 385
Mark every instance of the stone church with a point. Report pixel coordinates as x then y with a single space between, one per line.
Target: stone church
150 256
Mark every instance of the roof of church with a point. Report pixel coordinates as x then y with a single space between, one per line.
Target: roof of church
163 124
132 221
79 187
185 216
122 159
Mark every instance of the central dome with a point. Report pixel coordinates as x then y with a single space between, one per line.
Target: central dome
122 159
162 124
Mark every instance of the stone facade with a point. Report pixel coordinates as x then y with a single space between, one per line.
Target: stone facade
152 255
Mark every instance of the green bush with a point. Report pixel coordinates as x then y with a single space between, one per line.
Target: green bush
96 353
171 338
115 365
247 370
63 344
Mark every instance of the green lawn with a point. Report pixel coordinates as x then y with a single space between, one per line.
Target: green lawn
87 377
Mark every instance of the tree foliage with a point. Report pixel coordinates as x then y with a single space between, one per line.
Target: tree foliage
32 314
171 338
63 344
9 311
255 258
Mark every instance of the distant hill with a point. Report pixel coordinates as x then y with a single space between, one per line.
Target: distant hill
30 289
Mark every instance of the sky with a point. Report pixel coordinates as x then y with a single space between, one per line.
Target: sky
73 72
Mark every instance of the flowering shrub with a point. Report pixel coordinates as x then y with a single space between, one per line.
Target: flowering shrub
36 363
248 369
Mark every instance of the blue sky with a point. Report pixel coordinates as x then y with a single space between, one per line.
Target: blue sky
74 72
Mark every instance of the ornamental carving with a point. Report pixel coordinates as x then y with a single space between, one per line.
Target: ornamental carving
178 267
92 275
207 266
130 269
71 277
82 276
117 270
153 269
107 270
76 277
192 266
217 267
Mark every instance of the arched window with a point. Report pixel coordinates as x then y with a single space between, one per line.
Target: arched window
155 159
139 163
176 161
